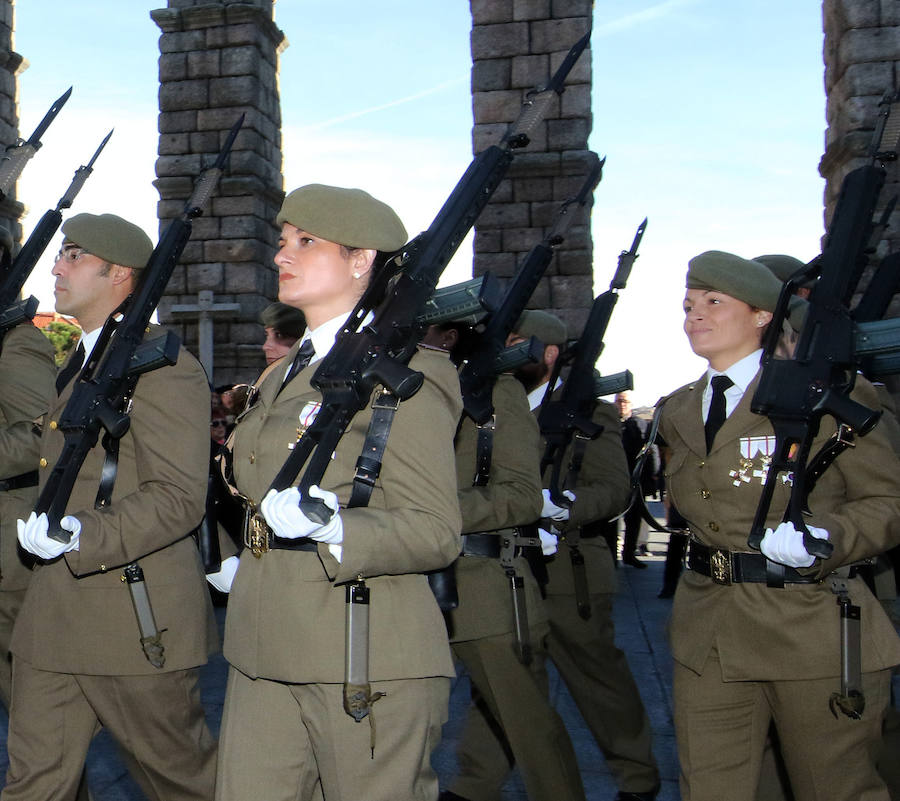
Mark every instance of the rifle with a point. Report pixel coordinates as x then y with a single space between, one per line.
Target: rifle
14 279
796 393
530 351
570 416
477 376
20 152
470 301
369 353
101 393
613 384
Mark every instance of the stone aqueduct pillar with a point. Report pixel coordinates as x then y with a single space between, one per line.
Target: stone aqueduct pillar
10 63
516 45
219 60
862 62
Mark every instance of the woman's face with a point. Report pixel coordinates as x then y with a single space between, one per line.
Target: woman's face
276 345
317 276
720 328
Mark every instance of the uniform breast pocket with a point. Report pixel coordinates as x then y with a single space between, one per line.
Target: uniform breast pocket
675 462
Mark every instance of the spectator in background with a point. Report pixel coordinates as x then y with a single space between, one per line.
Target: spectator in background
634 433
284 326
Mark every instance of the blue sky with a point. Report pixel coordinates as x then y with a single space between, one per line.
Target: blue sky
711 115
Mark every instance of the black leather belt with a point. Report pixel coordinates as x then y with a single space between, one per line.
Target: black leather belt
259 538
737 567
20 481
277 543
594 529
481 545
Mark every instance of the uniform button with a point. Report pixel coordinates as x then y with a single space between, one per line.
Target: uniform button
103 568
701 463
252 458
43 462
705 493
53 425
713 525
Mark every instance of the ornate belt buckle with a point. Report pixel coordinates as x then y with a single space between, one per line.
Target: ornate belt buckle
720 566
256 532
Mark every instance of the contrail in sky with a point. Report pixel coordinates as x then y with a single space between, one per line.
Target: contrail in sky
354 114
629 21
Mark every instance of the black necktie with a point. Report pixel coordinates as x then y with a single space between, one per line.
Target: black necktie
64 376
303 358
716 415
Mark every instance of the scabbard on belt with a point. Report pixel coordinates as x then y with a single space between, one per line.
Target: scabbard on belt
579 574
358 695
510 542
151 636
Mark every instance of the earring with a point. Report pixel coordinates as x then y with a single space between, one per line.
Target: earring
356 275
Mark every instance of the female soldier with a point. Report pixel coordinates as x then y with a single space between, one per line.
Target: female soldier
747 654
284 725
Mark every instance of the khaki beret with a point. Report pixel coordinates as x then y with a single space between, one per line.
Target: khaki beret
548 328
347 217
746 280
783 267
284 319
110 238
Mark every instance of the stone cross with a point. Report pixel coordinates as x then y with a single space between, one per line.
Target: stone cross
204 310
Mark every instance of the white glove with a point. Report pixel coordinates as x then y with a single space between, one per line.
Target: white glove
283 514
554 512
33 536
549 542
225 576
784 545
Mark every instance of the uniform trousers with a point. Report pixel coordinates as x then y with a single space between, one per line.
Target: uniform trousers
515 697
721 728
156 718
10 604
279 740
600 681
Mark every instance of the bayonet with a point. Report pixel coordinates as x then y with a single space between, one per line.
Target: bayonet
18 154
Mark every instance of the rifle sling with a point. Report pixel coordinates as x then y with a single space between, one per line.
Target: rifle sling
579 446
637 494
108 472
483 452
358 695
368 466
842 439
151 635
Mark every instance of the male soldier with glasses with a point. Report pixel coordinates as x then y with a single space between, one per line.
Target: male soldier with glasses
78 660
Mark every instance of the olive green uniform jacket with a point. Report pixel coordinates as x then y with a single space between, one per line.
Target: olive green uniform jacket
601 493
512 497
760 633
78 616
27 375
286 609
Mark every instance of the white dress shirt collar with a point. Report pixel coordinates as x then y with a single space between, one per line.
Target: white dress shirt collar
537 395
89 340
741 374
